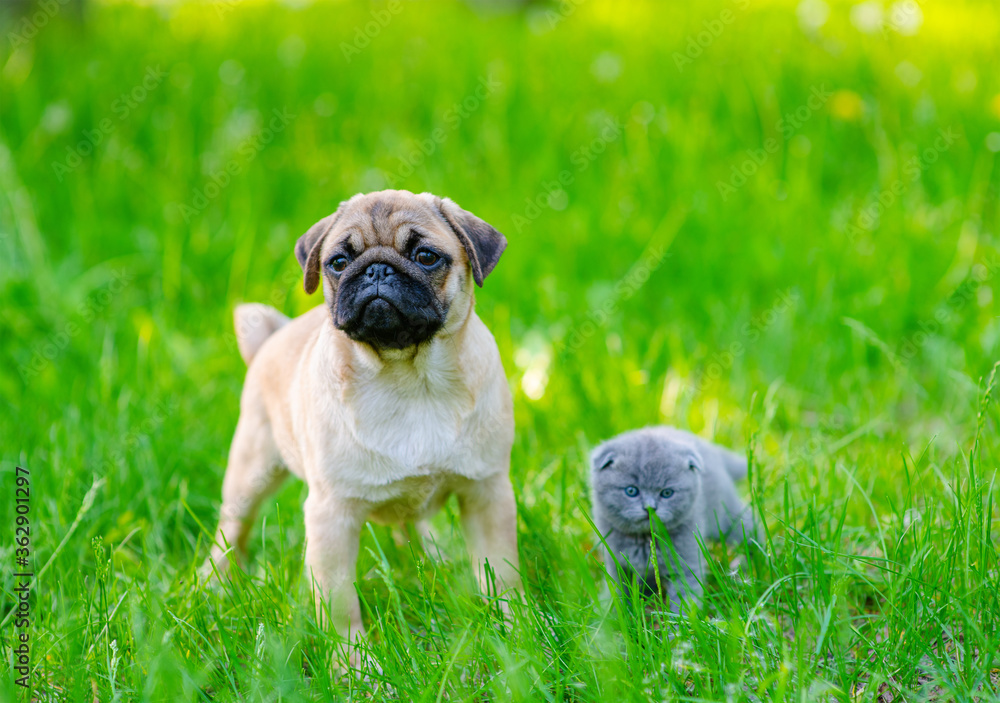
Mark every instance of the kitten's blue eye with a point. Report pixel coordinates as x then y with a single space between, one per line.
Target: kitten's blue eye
667 492
631 491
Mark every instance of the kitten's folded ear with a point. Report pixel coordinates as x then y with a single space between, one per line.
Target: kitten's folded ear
601 458
695 462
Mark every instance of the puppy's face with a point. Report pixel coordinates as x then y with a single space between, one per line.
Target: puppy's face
394 264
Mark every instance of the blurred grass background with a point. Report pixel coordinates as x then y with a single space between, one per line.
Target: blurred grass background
846 339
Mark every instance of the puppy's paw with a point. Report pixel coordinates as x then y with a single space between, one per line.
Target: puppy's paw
219 565
502 608
355 662
210 571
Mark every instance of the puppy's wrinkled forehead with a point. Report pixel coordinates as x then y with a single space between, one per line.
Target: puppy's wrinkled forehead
398 219
389 219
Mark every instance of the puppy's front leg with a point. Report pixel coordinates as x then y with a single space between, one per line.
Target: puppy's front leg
489 520
333 533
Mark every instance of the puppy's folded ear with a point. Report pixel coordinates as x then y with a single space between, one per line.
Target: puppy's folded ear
307 250
483 243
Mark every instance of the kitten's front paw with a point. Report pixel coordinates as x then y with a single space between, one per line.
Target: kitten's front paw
738 565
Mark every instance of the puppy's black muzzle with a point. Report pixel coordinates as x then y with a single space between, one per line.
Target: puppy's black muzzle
388 304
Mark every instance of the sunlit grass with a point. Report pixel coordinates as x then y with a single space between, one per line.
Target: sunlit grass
850 357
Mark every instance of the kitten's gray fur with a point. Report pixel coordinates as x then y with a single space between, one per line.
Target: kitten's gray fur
704 503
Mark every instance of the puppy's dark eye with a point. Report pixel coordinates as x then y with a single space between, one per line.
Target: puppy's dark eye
426 257
631 491
338 263
667 492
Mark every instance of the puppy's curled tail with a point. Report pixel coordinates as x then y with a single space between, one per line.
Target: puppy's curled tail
255 322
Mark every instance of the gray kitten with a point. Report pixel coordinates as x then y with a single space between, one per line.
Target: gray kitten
688 482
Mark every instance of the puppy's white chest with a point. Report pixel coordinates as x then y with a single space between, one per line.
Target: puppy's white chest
408 435
393 432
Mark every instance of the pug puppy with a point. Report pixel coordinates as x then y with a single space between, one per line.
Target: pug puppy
385 400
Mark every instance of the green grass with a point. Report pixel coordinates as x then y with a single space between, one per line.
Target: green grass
850 355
